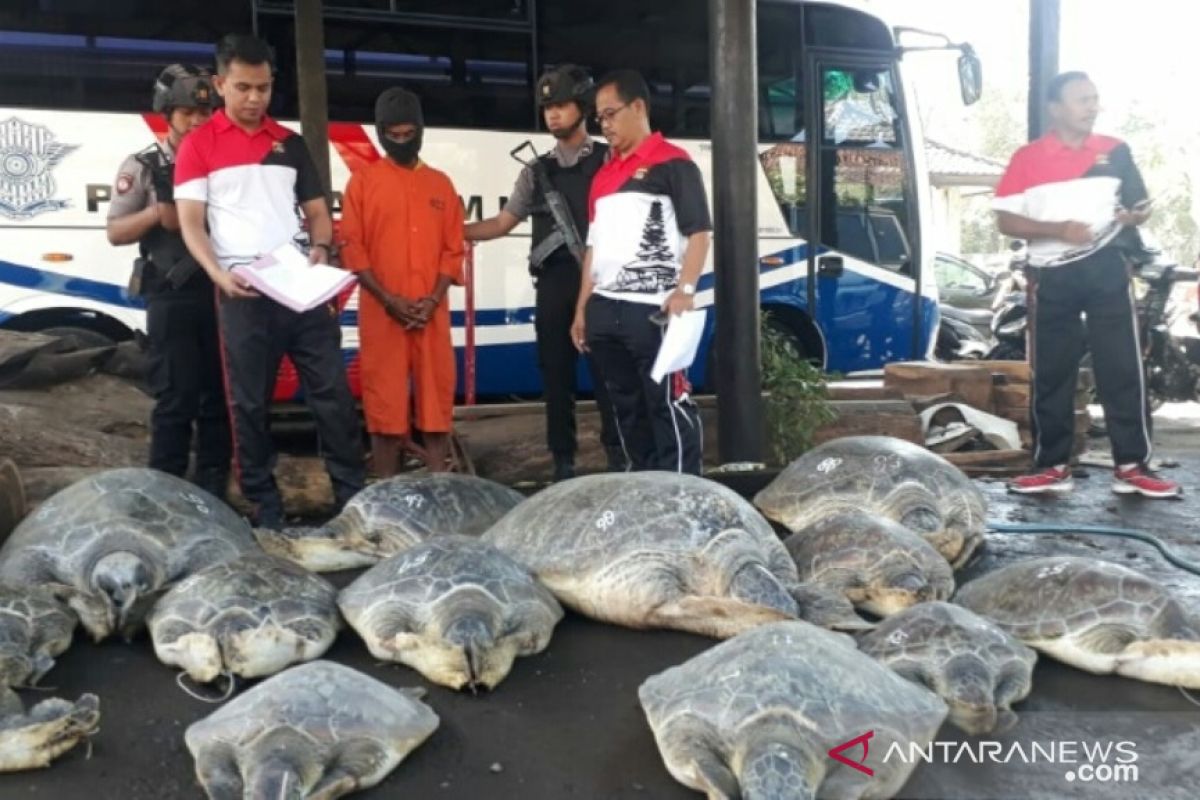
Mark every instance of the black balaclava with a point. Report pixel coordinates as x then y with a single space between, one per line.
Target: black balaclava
399 106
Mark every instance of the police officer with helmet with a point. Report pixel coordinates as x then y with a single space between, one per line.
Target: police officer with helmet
552 189
185 373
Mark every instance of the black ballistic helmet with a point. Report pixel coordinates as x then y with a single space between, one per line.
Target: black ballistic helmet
566 84
182 86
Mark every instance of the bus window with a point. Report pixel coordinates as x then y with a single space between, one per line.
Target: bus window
780 83
863 174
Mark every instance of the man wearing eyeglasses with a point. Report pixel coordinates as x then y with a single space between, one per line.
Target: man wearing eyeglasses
647 242
566 98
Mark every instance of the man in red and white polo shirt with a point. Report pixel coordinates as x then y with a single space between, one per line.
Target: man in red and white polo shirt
1077 198
647 240
244 175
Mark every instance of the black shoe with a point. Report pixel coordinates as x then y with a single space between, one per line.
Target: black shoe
564 468
616 460
12 498
269 518
214 485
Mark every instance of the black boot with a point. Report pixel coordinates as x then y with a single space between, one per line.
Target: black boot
564 467
12 498
617 462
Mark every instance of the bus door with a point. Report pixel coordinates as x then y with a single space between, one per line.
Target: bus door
862 254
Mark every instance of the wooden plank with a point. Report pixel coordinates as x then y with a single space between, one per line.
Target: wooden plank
1011 371
895 418
1015 395
990 458
924 378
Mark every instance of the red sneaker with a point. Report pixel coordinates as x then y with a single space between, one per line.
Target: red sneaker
1049 481
1136 480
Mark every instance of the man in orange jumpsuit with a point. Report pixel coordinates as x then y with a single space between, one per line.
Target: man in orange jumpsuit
402 229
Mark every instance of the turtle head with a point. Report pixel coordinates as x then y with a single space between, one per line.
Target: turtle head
967 685
753 583
126 583
463 645
475 635
772 761
282 765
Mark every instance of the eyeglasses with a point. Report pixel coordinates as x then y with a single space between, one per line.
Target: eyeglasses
606 116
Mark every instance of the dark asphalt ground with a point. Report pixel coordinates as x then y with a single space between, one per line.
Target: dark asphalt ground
566 723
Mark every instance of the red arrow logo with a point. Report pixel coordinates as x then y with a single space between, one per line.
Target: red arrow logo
836 753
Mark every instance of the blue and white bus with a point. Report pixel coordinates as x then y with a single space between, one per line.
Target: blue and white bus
843 197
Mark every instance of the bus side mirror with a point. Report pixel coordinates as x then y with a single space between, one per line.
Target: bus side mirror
970 75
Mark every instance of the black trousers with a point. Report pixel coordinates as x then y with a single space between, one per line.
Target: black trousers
256 334
1096 287
659 424
557 293
189 392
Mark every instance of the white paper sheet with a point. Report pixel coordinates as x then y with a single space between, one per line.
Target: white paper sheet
285 276
679 345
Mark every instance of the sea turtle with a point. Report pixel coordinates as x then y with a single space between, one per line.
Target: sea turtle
454 608
389 516
662 550
35 628
111 543
978 669
788 710
903 482
319 730
51 728
250 617
1095 615
879 565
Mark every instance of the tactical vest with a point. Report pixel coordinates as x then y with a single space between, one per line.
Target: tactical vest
573 183
165 249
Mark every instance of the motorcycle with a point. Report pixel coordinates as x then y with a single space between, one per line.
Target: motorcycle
1010 312
959 335
1172 363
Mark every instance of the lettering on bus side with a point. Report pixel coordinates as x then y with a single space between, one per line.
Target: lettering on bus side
473 206
97 193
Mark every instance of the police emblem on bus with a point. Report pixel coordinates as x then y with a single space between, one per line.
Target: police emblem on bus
28 154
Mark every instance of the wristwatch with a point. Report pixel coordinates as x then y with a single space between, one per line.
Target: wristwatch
688 288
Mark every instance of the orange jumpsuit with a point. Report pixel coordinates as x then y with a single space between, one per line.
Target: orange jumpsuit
406 225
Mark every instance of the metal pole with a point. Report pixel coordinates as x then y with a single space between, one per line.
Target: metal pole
310 86
1043 59
469 326
734 59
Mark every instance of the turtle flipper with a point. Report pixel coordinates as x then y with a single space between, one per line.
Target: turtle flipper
321 549
51 728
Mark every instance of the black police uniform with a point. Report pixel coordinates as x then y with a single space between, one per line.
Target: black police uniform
181 324
557 290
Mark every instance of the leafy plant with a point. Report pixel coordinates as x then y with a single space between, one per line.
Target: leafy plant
798 395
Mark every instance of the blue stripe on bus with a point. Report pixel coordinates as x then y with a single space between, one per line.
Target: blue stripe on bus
43 280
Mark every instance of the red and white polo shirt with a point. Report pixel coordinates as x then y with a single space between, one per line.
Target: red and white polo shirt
1050 181
252 184
642 209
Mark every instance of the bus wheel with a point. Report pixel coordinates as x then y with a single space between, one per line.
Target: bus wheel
789 336
85 338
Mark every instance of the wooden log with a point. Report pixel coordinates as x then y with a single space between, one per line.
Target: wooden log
1010 372
922 378
1013 395
895 418
991 461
